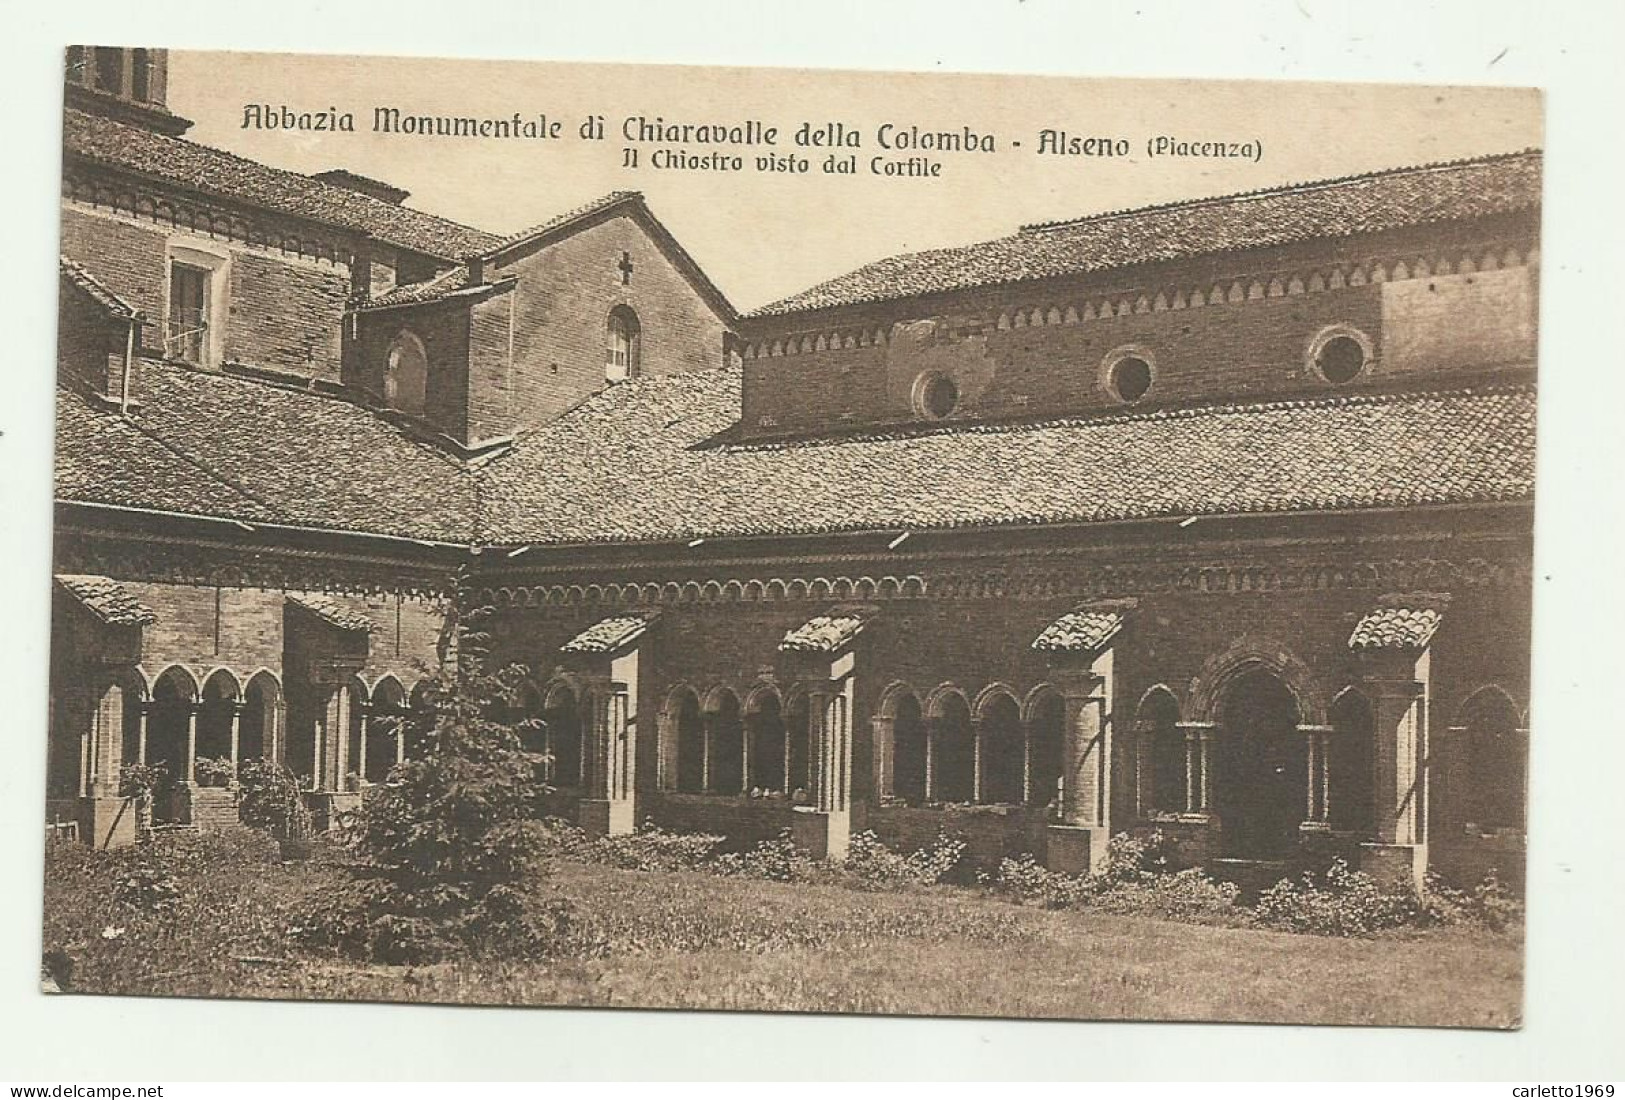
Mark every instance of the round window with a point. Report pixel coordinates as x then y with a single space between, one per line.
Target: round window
1340 358
1131 378
938 396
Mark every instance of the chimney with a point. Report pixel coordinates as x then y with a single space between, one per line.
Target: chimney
353 181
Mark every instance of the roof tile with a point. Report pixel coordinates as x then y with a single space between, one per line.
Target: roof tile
1083 630
609 635
334 613
108 600
1330 208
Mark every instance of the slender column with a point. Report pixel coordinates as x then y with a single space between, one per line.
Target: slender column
976 760
142 715
707 727
1026 763
1317 784
361 740
400 740
236 734
191 740
1205 758
784 715
745 735
818 746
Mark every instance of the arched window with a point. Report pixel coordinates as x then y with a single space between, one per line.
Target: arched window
406 374
623 339
1171 789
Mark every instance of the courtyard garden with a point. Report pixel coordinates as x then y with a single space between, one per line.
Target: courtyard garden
664 921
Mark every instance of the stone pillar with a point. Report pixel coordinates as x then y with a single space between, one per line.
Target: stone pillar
1078 844
608 808
1317 782
1397 687
105 819
141 731
824 828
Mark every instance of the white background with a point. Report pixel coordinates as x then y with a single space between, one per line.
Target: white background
1576 959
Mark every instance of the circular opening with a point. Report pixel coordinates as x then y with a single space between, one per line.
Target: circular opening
1341 359
1131 378
939 397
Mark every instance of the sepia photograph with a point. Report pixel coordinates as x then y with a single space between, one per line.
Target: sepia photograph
693 537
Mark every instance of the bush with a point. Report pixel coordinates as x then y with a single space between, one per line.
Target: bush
214 771
651 848
871 865
269 797
1024 879
1489 905
1341 903
1187 895
448 841
777 860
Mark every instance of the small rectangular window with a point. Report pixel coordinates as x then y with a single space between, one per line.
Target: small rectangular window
188 330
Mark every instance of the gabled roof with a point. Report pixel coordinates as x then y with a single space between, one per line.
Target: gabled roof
84 281
216 172
333 613
631 203
636 463
1083 630
1344 207
611 634
826 633
1398 623
106 599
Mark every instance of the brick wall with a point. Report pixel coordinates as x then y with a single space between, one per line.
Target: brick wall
1238 332
282 312
444 331
561 309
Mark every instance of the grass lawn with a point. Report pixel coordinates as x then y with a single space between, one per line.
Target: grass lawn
696 941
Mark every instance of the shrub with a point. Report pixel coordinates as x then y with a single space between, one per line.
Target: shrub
1024 879
1489 905
214 771
651 848
871 865
777 860
1342 903
1187 895
269 797
448 841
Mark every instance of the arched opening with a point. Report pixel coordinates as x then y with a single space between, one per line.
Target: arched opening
136 701
908 748
358 735
257 736
1003 751
564 729
1493 795
406 374
214 722
174 698
623 340
1350 799
1172 786
690 734
1046 728
1263 767
386 735
725 734
769 745
798 744
420 719
953 749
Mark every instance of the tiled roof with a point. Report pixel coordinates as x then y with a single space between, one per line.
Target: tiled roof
85 281
1331 208
103 458
824 633
634 463
609 635
1081 631
216 172
1396 626
447 282
334 613
212 444
108 600
603 202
